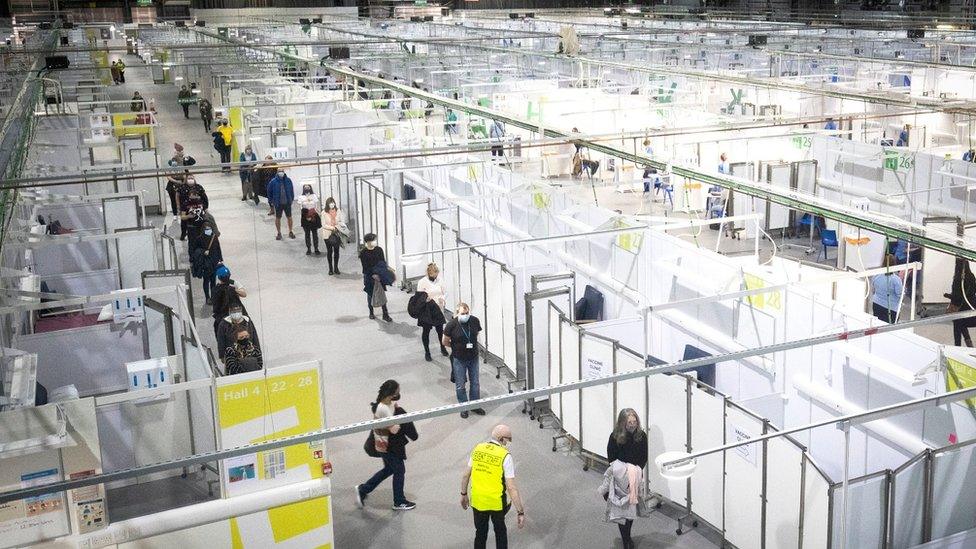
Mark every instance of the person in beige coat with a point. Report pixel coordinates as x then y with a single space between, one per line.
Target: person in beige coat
333 223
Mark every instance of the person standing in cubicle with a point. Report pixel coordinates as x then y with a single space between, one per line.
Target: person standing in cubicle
310 219
451 122
886 290
243 356
461 335
246 171
281 193
962 298
831 125
230 325
333 228
138 104
185 98
488 487
225 294
903 136
627 444
206 113
371 256
122 72
497 134
431 316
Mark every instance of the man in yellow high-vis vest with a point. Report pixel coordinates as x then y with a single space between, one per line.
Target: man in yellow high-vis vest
490 481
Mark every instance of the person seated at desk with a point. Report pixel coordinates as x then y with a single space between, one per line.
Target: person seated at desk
969 156
831 125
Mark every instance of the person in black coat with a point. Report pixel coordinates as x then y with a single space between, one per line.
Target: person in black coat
962 298
371 256
628 444
208 244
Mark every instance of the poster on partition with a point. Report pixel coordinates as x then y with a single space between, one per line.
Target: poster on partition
961 376
265 405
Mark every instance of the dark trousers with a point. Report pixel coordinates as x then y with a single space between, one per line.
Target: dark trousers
497 150
246 188
122 77
332 254
883 313
425 336
960 331
183 229
311 237
206 123
172 200
369 302
625 533
224 157
186 110
392 466
497 519
209 280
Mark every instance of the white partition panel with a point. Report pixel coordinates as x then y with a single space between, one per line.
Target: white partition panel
120 213
865 512
816 506
477 302
708 431
569 365
509 322
449 267
633 392
464 277
494 319
743 480
667 430
779 176
137 254
784 484
938 266
415 237
390 226
599 411
953 491
908 503
555 356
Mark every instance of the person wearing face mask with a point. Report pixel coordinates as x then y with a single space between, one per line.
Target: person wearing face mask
388 443
226 294
230 325
243 356
206 256
461 335
281 194
311 222
488 487
333 226
246 171
189 191
370 257
628 445
431 314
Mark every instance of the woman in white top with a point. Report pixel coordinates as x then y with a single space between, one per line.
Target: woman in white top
333 223
433 315
309 203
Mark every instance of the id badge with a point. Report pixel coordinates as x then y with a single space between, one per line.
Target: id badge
469 346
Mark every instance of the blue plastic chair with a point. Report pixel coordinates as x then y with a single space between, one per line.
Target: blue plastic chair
828 239
805 219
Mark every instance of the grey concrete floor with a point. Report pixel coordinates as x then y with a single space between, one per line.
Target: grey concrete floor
304 314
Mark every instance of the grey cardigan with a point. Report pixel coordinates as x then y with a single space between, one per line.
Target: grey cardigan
616 486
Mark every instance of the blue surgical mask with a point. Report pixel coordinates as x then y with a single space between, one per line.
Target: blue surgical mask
464 318
208 232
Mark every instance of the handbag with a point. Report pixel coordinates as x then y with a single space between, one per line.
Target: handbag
371 447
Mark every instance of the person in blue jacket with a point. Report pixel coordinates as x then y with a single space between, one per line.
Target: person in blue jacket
903 136
281 194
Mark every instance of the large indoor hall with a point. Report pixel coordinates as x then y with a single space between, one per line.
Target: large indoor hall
315 274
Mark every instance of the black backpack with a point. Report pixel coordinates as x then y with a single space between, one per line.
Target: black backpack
416 304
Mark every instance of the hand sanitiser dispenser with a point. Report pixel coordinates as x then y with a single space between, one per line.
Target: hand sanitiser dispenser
150 374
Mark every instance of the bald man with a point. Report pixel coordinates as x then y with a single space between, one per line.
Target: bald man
490 477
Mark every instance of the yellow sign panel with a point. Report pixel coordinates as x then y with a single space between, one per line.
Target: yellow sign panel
768 300
960 376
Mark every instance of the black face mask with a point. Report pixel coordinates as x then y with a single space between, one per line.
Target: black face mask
396 397
244 342
431 278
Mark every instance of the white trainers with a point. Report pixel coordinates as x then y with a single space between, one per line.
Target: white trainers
405 506
359 497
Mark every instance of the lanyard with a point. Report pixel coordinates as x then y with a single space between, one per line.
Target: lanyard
467 334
